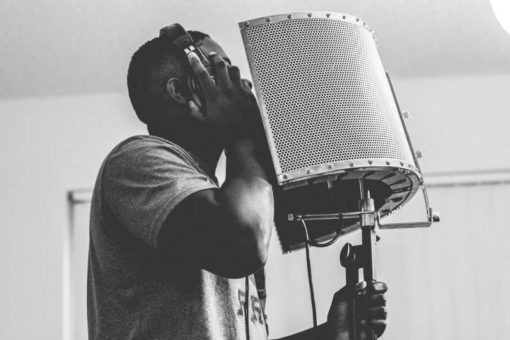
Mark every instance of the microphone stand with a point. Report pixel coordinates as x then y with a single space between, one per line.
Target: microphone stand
362 256
354 258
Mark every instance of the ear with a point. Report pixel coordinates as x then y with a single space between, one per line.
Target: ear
176 90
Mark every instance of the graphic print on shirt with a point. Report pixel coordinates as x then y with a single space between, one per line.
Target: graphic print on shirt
253 303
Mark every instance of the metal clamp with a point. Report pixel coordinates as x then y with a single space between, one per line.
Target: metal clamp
432 217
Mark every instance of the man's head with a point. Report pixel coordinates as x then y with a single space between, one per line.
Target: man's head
158 88
158 80
151 68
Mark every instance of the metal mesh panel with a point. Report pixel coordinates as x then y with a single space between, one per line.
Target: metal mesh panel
324 93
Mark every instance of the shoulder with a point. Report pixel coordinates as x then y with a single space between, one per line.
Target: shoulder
140 145
146 151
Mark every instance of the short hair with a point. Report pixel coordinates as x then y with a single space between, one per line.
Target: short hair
153 59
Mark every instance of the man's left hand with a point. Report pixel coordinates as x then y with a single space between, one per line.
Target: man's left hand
370 308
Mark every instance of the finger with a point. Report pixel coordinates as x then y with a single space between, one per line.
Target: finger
372 300
248 84
374 313
360 286
378 326
195 111
377 287
235 76
221 71
349 291
203 77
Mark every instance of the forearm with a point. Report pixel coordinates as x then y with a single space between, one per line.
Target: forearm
248 195
225 231
242 161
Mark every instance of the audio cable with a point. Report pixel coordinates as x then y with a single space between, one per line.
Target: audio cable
309 243
309 269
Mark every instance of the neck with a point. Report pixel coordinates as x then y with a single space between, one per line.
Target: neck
208 153
206 149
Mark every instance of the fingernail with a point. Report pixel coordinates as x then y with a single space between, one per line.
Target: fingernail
212 54
192 56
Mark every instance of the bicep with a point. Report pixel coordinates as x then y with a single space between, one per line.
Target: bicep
141 184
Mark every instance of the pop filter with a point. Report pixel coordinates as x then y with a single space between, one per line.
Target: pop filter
330 119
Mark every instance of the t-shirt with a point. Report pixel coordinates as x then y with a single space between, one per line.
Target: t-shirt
133 291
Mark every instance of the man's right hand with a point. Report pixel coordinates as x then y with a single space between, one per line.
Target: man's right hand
230 102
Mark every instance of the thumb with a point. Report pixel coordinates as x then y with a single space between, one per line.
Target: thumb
350 291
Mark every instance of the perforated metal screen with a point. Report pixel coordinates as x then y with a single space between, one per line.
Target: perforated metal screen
323 90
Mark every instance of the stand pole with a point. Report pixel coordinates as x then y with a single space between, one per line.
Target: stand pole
354 258
349 258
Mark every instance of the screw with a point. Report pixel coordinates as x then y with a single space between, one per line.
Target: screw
435 216
351 164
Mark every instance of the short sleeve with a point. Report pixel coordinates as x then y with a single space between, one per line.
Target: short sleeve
144 179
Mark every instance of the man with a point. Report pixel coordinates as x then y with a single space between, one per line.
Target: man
171 252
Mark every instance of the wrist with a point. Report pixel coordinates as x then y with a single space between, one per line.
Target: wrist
240 146
240 132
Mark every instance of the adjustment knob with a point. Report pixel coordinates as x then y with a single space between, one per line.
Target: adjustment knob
347 255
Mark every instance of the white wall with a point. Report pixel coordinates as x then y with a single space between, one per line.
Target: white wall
49 145
53 144
458 122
